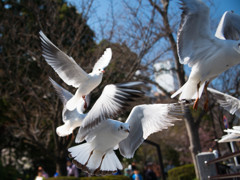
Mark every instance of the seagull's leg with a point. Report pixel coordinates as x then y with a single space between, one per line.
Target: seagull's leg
85 102
206 93
195 106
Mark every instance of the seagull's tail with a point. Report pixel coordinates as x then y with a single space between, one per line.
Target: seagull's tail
93 161
64 130
189 90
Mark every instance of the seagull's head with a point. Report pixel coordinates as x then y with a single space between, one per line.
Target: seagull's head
99 71
124 128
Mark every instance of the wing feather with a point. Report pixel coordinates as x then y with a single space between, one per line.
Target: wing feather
67 69
104 60
229 26
194 31
230 103
111 101
147 119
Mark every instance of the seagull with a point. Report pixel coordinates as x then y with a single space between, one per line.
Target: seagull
113 98
233 135
207 55
97 157
230 103
71 73
71 119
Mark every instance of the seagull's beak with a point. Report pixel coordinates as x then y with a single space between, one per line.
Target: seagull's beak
127 130
103 71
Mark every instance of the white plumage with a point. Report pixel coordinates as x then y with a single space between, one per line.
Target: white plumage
111 101
71 73
147 119
208 55
71 119
230 103
96 156
102 139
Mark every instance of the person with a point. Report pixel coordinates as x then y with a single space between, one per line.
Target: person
39 176
41 173
72 169
136 175
128 172
150 174
56 174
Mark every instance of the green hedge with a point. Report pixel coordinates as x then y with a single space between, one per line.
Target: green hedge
185 172
115 177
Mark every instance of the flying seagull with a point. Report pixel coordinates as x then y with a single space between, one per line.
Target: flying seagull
71 73
97 156
230 103
207 55
71 119
113 98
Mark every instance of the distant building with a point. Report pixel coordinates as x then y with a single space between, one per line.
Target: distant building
165 76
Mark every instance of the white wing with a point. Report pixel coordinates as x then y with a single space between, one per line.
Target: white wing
145 120
111 101
62 93
65 95
103 61
229 26
67 69
194 35
230 103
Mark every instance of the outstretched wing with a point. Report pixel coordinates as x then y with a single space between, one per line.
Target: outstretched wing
104 60
145 120
229 26
111 101
230 103
194 35
67 69
62 93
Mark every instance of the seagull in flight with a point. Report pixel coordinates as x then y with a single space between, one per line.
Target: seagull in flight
113 98
71 73
207 55
97 157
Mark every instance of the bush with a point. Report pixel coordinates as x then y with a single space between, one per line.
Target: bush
185 172
116 177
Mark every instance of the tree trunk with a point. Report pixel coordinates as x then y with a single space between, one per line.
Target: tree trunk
193 135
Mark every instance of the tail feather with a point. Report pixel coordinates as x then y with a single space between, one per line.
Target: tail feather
64 130
81 152
94 162
189 90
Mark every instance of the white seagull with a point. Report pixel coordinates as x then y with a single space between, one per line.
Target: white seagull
230 103
111 101
71 119
71 73
97 156
207 55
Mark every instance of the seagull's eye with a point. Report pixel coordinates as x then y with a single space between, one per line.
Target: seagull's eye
121 127
99 69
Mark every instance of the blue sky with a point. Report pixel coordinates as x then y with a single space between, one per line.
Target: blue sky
101 9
